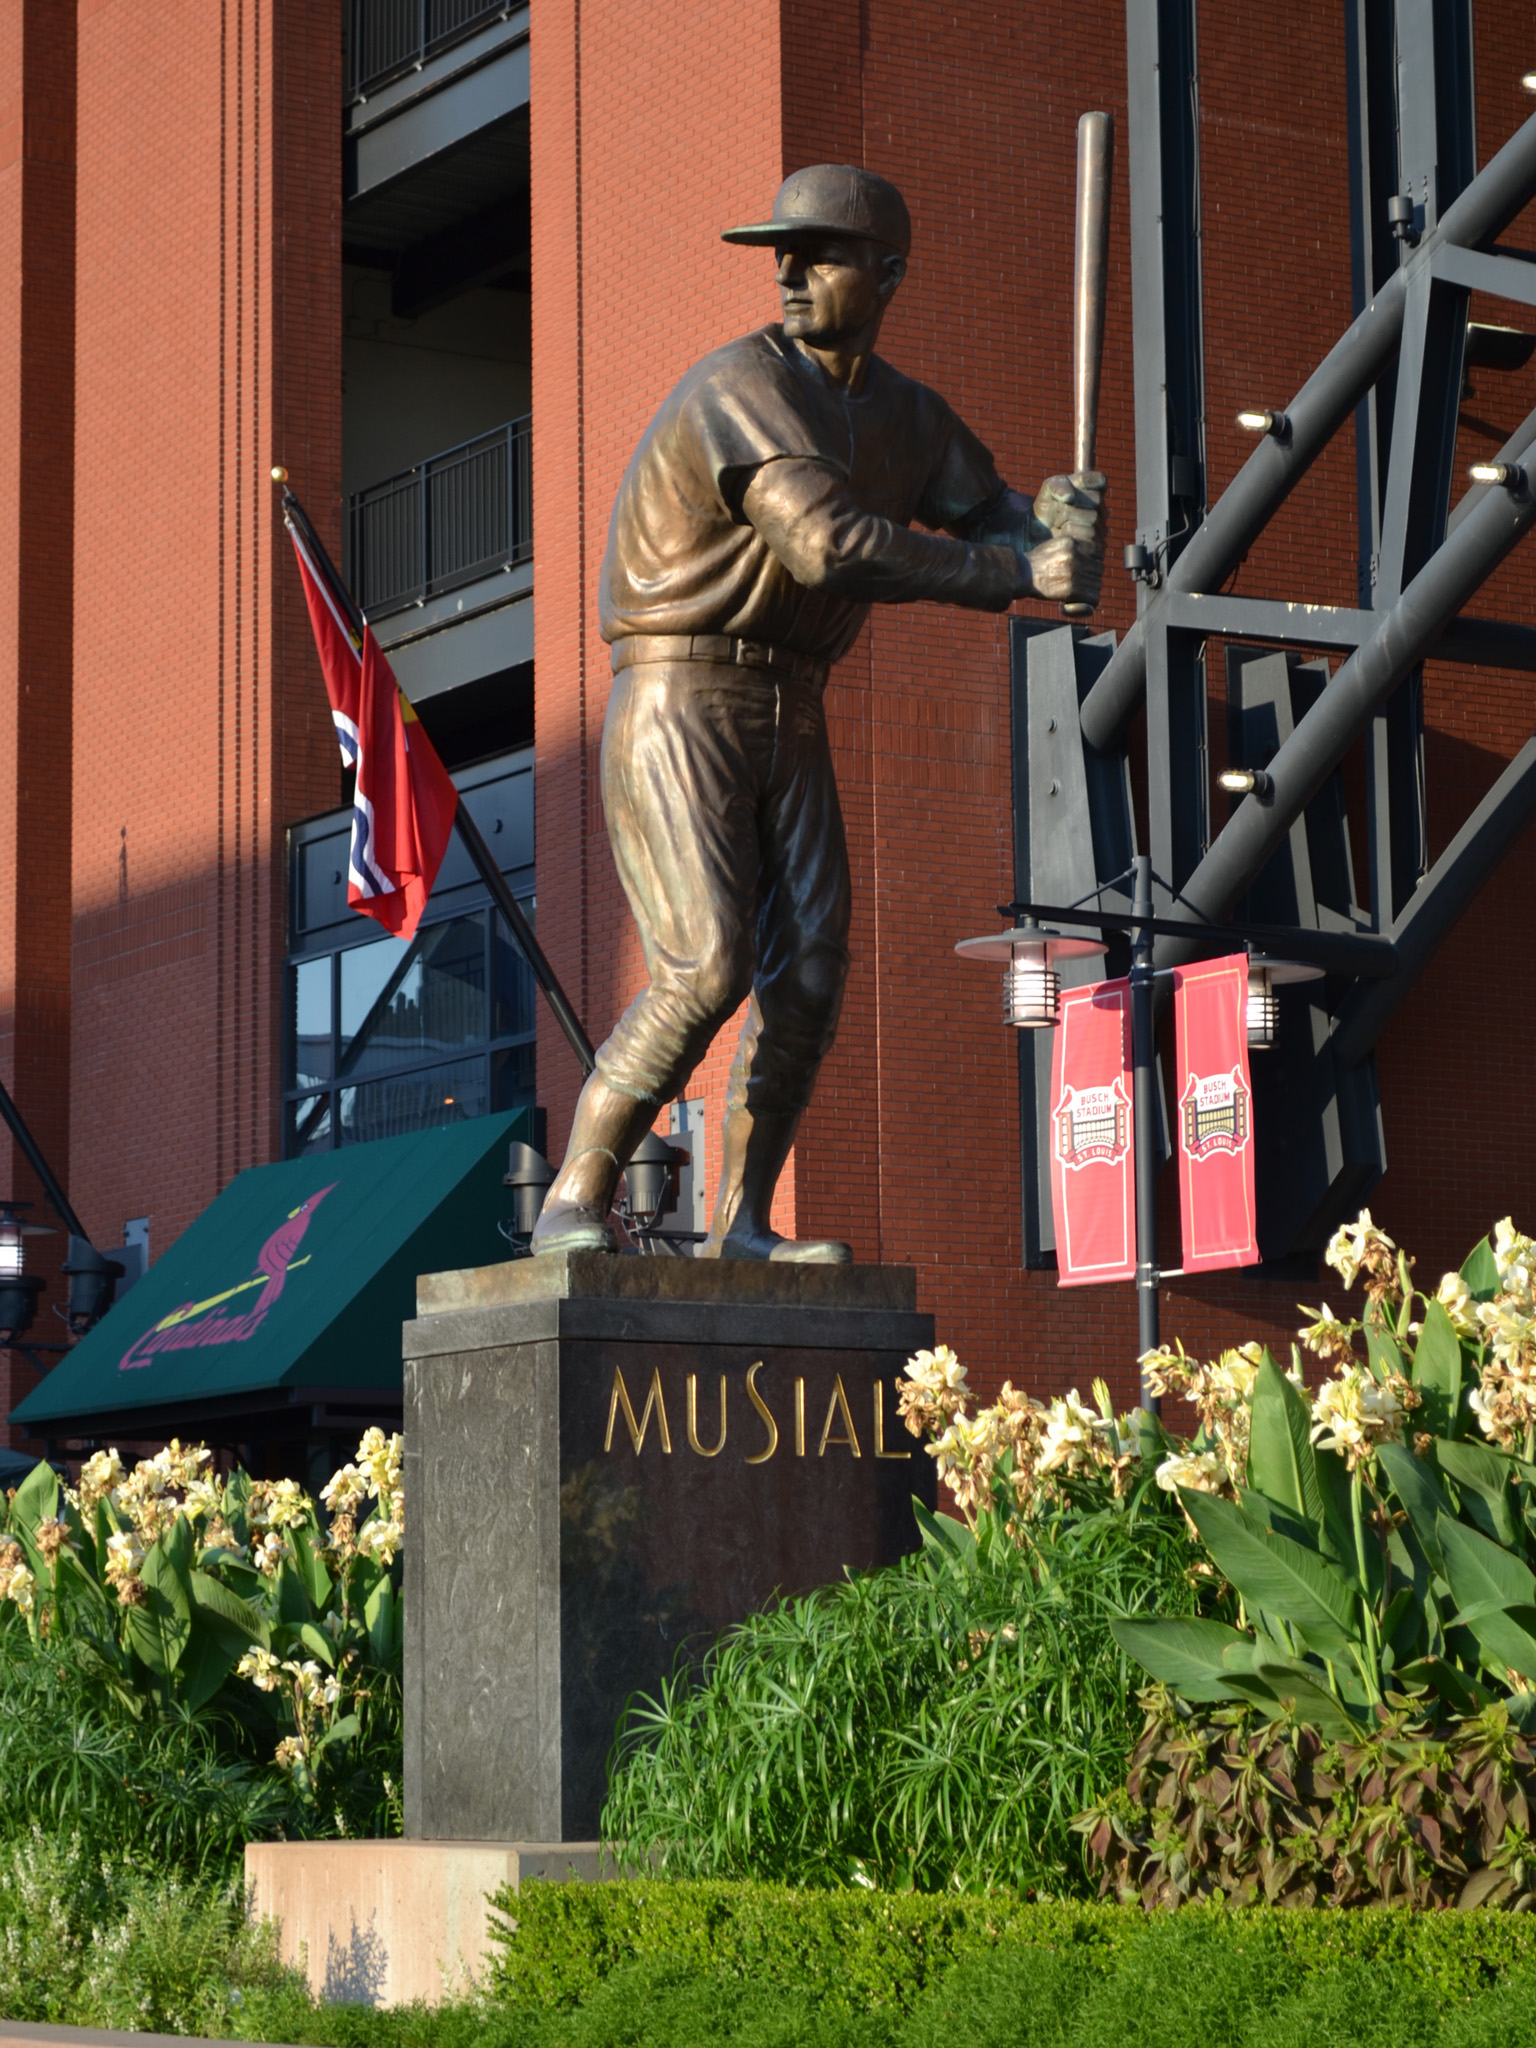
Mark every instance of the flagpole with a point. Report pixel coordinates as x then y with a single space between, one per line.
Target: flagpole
469 832
522 931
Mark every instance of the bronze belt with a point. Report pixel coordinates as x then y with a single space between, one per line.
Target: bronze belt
637 648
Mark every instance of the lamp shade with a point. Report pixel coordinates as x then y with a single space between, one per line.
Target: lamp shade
1031 984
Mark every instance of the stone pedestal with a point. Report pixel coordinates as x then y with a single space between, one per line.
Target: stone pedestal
609 1459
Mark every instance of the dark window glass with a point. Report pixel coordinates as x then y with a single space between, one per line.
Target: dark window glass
424 1101
513 990
513 1077
401 1003
309 1126
310 1023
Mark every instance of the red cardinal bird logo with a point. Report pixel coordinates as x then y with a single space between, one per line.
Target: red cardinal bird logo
193 1324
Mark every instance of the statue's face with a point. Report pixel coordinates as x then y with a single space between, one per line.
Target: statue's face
831 290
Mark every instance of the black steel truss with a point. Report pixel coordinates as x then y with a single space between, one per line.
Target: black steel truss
1425 236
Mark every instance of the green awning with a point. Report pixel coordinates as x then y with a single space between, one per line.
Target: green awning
288 1290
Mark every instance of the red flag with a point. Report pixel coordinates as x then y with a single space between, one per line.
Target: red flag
1215 1111
1093 1180
403 810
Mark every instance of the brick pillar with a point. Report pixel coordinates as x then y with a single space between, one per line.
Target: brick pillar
209 349
37 224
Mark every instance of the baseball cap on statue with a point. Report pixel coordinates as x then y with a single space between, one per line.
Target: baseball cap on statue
833 199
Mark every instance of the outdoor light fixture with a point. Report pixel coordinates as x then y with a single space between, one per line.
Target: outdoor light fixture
19 1289
93 1279
1264 977
650 1181
1031 985
1400 218
1247 782
1509 474
529 1175
1139 560
1257 420
1529 81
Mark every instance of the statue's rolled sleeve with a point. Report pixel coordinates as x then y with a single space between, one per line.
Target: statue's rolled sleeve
827 540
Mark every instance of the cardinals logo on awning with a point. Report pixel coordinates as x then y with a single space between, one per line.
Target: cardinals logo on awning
199 1323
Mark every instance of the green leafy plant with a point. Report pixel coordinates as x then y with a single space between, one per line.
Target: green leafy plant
199 1627
1229 1805
1380 1534
933 1725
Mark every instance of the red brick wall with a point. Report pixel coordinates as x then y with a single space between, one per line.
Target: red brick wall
209 323
37 218
911 1147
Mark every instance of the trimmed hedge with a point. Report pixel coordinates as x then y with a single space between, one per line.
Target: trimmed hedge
856 1951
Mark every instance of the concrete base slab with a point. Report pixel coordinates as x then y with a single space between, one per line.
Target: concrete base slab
386 1922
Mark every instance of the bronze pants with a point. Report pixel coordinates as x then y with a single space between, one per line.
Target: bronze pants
728 836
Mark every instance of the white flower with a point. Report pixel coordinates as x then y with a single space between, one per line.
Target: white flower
1515 1256
262 1668
1072 1434
1200 1471
1455 1297
1354 1412
1358 1245
270 1552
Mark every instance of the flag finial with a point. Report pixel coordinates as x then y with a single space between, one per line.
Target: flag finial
279 474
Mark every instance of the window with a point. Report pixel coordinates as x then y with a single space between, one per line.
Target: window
384 1035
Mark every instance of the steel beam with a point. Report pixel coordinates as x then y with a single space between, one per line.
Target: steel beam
1405 635
1440 900
1316 413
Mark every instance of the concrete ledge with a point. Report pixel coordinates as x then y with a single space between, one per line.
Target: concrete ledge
386 1922
597 1276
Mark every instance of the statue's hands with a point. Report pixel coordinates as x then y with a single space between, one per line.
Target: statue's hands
1066 561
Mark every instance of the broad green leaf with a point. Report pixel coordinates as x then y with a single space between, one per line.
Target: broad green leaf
213 1599
1274 1573
1482 1574
1282 1464
944 1534
1308 1698
347 1729
207 1661
1451 1685
1480 1272
37 1499
312 1569
1420 1493
1384 1353
1437 1373
160 1628
1482 1476
381 1615
1184 1654
1281 1520
318 1644
1508 1634
292 1596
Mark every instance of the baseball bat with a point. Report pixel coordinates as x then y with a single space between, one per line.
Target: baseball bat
1095 160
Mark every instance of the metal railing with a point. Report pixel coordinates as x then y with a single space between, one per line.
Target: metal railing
454 518
388 37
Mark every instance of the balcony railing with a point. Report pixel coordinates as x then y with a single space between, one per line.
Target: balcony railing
389 37
452 519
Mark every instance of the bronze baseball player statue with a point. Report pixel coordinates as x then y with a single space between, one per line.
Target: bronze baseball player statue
766 508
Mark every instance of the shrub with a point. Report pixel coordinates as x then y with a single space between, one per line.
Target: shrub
1380 1534
167 1638
931 1725
1231 1806
857 1952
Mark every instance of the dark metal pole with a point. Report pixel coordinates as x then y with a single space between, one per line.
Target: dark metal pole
39 1165
1143 1052
522 931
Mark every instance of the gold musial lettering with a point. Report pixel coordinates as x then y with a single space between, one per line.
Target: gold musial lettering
838 1412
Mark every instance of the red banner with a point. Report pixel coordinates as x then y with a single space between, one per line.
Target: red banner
1093 1178
1215 1114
